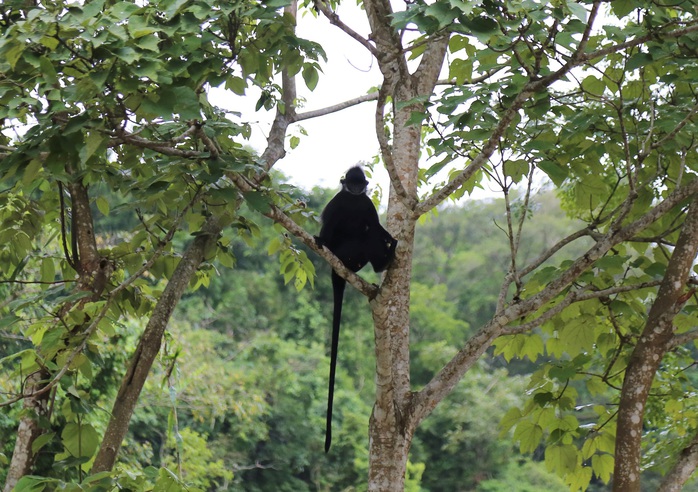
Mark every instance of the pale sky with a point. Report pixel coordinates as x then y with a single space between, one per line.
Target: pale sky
335 142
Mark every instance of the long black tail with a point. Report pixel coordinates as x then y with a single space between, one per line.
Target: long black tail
338 284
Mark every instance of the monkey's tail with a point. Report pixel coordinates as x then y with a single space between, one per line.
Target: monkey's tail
338 284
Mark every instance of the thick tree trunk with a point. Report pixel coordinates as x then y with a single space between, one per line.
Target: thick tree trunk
392 426
648 354
149 345
388 452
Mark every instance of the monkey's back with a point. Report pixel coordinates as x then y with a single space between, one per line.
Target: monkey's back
346 222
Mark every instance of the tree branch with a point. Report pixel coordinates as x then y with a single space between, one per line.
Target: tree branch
682 470
336 21
577 59
442 383
648 353
372 96
682 339
387 153
571 298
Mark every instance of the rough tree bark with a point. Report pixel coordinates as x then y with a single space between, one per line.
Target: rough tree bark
648 354
682 470
397 410
35 409
149 345
390 427
93 274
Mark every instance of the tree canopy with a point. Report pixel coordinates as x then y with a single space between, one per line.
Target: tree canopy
125 186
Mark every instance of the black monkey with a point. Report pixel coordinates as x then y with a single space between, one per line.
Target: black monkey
352 231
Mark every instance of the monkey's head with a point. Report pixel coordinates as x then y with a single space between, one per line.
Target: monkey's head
355 181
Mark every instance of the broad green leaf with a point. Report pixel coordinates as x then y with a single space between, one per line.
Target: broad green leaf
510 419
236 84
41 441
48 71
561 458
48 270
102 205
577 10
580 478
30 483
168 482
310 76
529 436
93 142
555 172
602 464
80 440
593 85
258 201
31 172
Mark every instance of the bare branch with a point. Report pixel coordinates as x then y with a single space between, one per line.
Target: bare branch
546 255
372 96
336 21
285 112
683 338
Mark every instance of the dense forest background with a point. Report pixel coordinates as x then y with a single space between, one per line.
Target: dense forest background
164 307
237 400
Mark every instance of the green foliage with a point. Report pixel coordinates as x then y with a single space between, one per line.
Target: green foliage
112 97
198 470
523 476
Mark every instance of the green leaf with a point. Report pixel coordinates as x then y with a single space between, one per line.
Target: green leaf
310 76
92 143
532 347
41 441
579 334
29 483
168 482
236 84
102 205
638 60
258 200
48 270
186 102
555 172
593 85
47 71
529 436
623 7
80 440
602 464
31 172
579 479
561 458
510 419
516 169
577 10
275 246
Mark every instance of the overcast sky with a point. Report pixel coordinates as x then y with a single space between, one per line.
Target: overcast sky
337 141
